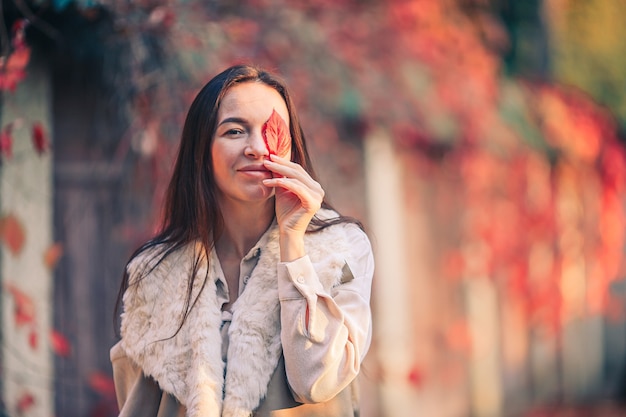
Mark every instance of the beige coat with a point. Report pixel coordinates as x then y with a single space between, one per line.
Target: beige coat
270 348
140 396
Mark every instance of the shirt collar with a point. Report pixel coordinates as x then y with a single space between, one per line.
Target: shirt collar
255 251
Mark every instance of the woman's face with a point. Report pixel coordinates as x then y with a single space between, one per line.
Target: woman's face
238 148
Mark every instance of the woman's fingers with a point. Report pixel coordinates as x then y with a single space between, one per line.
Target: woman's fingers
286 168
298 196
311 196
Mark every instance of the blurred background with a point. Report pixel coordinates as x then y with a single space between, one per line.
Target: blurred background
480 141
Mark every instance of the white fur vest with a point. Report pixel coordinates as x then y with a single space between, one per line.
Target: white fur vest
189 365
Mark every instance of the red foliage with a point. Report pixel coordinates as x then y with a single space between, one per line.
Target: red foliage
33 338
52 255
24 307
60 345
102 384
416 377
25 402
19 33
40 139
13 69
6 142
12 233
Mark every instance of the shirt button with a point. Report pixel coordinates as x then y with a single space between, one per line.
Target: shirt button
245 279
300 279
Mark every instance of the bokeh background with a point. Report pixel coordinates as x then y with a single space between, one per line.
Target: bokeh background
480 141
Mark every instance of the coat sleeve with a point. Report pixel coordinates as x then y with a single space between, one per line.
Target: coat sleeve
137 394
325 335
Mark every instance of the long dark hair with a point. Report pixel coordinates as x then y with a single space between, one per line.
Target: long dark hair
190 211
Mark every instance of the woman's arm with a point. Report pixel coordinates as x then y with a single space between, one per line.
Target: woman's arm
325 336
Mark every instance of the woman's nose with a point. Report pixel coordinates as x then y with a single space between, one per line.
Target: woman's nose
256 145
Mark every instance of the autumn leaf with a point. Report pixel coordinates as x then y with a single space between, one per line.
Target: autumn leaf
40 140
25 402
12 233
276 135
102 383
24 307
6 142
416 376
60 345
13 69
52 255
19 33
33 339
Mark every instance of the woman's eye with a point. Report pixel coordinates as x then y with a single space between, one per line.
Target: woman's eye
234 132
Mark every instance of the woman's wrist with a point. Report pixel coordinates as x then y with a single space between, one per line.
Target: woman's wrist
291 246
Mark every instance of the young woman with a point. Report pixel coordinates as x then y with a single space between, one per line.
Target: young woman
253 300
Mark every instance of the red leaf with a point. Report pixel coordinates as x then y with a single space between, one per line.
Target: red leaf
60 345
40 140
24 310
52 255
276 135
14 69
416 377
12 233
25 402
6 140
19 30
102 384
33 339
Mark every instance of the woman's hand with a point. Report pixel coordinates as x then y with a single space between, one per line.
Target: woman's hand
298 198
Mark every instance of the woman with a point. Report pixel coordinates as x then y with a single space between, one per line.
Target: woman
253 300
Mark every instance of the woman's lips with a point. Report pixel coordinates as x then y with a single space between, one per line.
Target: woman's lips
256 171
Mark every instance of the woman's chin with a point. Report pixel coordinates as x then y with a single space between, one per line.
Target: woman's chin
261 193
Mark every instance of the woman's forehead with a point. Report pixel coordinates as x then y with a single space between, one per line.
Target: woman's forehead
252 100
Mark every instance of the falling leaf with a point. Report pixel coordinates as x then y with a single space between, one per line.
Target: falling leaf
33 339
40 140
52 255
13 70
6 142
25 402
60 345
102 384
416 377
12 233
276 135
19 33
24 307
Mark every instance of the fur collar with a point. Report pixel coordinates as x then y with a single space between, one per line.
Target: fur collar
189 365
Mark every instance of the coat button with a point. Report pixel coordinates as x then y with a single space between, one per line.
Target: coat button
301 279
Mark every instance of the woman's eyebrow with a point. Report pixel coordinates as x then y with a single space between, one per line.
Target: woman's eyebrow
233 120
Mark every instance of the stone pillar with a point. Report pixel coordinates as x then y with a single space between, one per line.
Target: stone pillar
390 296
26 212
